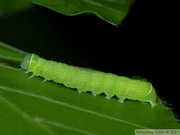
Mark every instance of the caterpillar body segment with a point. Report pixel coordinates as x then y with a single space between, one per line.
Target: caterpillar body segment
90 80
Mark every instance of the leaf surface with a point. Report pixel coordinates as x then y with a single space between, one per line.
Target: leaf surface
113 11
11 6
28 106
10 55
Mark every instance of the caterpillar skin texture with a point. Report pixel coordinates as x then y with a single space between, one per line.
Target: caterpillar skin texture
89 80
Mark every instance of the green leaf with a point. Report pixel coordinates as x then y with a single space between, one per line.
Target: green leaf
28 106
10 54
113 11
11 6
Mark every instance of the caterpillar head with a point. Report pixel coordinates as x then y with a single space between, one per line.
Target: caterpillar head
26 61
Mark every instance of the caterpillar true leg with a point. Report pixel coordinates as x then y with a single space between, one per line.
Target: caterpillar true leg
26 72
31 76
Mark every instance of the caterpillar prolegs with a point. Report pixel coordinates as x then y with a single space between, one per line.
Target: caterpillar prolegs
90 80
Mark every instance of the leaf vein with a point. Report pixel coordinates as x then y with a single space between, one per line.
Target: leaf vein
70 106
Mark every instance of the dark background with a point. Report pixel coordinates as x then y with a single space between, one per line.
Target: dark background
145 44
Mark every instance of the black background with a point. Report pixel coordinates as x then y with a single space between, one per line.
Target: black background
144 44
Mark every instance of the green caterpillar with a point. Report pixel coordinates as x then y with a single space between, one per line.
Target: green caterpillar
89 80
